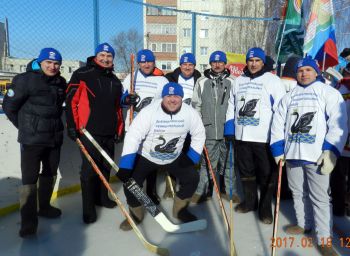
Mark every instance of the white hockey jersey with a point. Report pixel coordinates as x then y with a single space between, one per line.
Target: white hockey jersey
159 137
307 121
147 87
345 92
187 85
251 105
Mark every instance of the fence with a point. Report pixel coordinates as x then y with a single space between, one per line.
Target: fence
76 27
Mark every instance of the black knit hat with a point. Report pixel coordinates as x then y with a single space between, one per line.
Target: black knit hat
289 67
345 52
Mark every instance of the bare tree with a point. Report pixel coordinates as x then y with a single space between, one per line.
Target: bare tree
126 43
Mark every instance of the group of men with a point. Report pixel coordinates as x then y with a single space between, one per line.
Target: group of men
266 123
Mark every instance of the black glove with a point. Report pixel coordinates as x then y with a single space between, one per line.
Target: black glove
124 174
73 134
185 161
132 99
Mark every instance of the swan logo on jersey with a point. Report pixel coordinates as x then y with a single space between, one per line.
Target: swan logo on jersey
166 149
143 58
52 55
300 129
247 112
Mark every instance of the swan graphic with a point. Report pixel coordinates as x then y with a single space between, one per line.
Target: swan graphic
302 125
146 101
166 147
248 107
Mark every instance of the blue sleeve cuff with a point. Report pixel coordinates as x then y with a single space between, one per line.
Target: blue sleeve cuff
193 155
328 146
122 100
127 161
277 148
229 128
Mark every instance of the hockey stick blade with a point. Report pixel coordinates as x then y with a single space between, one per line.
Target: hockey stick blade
160 217
151 247
135 189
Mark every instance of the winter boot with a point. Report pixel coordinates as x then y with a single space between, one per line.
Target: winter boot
46 186
28 210
87 192
151 188
198 199
170 187
296 230
250 202
180 210
265 208
347 203
235 198
103 192
137 214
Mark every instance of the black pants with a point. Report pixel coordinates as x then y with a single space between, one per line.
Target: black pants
31 158
187 176
339 186
254 159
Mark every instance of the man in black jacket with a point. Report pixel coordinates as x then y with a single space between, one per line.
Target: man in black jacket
93 102
33 103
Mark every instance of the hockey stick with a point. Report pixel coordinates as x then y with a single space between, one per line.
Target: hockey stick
150 206
151 247
132 60
169 179
232 244
277 207
217 191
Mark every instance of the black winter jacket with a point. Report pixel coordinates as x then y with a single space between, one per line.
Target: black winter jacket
174 76
33 103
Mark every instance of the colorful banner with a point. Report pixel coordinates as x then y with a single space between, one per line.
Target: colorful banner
235 63
291 31
320 40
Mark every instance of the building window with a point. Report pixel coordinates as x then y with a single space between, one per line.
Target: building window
187 32
166 66
187 16
168 47
203 33
186 49
203 67
153 11
161 29
204 50
22 68
154 47
62 69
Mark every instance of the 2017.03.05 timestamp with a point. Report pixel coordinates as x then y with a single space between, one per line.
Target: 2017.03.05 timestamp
307 242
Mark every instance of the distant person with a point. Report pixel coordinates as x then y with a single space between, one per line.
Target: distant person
343 59
154 141
148 84
309 130
94 102
33 103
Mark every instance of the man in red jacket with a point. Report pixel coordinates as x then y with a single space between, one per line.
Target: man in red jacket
93 102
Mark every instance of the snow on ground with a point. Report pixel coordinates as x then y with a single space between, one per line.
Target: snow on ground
70 236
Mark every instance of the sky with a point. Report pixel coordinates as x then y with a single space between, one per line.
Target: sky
65 24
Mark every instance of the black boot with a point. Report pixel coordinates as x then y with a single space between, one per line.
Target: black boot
180 210
87 192
103 192
250 202
151 188
265 208
46 186
28 208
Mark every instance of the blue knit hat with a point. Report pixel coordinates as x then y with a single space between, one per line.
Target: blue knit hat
172 88
49 54
105 47
218 56
188 58
145 55
308 61
255 52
